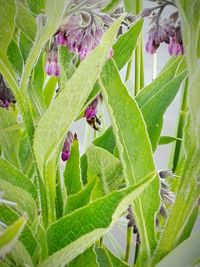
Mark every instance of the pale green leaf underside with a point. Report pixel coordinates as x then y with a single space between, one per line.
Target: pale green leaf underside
86 225
57 119
10 235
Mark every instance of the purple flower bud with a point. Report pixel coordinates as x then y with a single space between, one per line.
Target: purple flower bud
90 113
51 66
65 156
174 47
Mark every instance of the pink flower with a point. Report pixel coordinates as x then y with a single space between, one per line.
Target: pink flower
51 66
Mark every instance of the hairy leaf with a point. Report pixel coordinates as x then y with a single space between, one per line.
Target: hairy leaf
133 152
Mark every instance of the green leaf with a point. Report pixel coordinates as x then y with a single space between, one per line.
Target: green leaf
12 175
36 7
66 64
125 45
26 160
35 89
15 57
116 262
164 78
164 140
21 255
25 21
158 100
106 169
7 14
87 258
133 152
113 4
24 200
25 45
9 141
72 176
106 140
186 254
10 235
130 6
84 226
106 259
9 216
52 127
49 90
80 199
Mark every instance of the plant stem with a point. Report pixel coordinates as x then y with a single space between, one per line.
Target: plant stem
128 71
141 65
154 66
128 243
138 53
137 248
181 123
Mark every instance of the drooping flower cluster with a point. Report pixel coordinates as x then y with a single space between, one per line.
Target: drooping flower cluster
167 198
80 34
164 31
67 146
6 96
91 114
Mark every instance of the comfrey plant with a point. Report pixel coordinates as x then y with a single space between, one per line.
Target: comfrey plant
77 139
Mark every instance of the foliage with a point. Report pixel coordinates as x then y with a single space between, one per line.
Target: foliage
58 210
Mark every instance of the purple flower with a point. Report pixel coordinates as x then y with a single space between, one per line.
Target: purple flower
91 115
156 37
79 38
6 96
51 66
65 155
176 43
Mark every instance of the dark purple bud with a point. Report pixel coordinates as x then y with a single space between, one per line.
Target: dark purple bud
6 96
65 156
51 66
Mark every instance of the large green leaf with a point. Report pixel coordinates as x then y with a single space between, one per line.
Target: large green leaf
9 141
25 21
7 14
12 175
106 169
185 255
83 227
23 200
124 47
159 102
10 235
8 216
36 7
72 175
53 126
134 149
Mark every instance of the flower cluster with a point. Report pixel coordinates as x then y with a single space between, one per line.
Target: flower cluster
167 198
80 34
165 31
67 146
91 114
6 96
